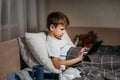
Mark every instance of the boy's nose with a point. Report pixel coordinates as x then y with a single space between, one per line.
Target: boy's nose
63 32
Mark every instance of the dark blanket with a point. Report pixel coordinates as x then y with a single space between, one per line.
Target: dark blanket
103 65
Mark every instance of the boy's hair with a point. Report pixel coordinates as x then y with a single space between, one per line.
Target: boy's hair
56 18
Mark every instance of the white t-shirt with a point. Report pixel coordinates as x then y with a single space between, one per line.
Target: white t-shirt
57 48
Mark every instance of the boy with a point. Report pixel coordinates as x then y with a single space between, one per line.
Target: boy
57 46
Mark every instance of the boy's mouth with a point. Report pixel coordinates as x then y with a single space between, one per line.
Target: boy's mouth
61 35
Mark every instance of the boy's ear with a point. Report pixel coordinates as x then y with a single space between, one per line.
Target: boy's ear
52 27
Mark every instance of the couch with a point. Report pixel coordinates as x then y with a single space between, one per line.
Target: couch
11 60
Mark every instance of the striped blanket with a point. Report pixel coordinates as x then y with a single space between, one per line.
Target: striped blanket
103 65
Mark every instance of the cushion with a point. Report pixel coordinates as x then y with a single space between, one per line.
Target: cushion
37 46
9 57
33 50
66 36
27 56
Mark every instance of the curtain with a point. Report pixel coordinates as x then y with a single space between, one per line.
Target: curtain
20 16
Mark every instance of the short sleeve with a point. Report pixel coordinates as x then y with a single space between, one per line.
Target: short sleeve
53 50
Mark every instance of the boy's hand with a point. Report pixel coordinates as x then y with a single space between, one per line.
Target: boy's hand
82 53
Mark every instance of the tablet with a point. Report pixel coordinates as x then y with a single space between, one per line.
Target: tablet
93 49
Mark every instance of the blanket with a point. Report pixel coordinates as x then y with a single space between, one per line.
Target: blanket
103 65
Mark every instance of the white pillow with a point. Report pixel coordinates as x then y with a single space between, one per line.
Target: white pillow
66 36
25 53
37 46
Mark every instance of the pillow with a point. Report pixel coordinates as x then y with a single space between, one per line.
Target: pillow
66 36
37 46
25 53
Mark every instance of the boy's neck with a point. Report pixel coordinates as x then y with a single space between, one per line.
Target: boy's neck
52 36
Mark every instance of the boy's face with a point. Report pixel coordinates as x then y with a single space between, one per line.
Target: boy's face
58 31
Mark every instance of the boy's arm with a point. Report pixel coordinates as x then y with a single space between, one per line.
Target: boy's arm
58 62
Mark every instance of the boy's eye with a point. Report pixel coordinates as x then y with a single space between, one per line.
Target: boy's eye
62 29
